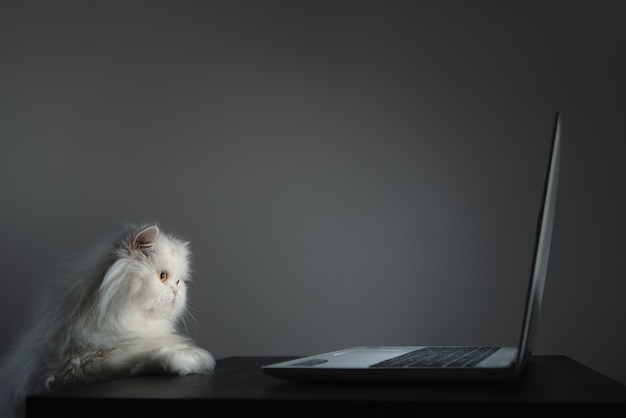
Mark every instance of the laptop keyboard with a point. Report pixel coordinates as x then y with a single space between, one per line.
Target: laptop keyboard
440 357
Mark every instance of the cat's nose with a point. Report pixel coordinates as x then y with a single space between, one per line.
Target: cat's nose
174 291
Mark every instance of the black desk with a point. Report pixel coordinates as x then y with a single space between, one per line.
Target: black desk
551 384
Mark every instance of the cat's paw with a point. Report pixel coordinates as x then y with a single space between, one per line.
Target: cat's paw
185 359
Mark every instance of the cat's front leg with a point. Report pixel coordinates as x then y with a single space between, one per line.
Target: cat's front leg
184 359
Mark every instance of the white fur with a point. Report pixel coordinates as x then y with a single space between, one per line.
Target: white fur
107 315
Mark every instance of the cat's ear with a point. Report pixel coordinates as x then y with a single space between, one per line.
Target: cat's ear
144 239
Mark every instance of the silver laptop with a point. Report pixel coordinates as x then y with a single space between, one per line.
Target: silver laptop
445 363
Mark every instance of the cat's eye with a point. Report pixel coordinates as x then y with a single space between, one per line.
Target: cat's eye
163 276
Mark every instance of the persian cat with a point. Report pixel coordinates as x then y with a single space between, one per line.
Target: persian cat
114 312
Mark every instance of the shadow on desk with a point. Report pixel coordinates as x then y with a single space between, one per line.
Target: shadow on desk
550 385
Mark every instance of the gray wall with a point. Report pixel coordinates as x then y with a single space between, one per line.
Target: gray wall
346 173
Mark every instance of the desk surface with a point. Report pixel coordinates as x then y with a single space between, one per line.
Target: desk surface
550 384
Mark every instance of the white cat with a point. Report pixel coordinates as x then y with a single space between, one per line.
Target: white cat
112 313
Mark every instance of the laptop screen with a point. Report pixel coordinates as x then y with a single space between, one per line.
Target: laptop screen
542 250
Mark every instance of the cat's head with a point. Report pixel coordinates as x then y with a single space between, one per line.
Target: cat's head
146 285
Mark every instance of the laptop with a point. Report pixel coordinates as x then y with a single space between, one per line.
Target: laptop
455 363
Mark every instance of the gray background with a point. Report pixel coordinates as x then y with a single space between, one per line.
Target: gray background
346 172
